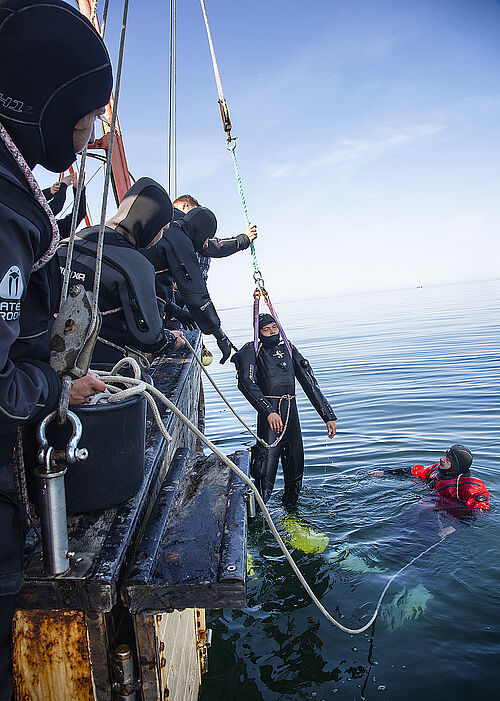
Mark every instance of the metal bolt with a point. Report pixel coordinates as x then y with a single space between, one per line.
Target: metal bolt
163 662
81 453
162 646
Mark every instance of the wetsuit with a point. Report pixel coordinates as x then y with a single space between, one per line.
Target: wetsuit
127 300
42 98
174 260
268 382
56 203
463 487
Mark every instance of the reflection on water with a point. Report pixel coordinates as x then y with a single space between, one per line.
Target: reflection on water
408 373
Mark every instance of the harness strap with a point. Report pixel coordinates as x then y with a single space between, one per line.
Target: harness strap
288 398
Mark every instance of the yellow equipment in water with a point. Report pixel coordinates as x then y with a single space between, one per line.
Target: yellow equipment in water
299 535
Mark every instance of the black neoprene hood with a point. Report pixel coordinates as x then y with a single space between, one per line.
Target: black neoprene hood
54 70
460 458
199 224
145 210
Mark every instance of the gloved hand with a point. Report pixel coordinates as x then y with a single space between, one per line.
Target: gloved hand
186 319
224 345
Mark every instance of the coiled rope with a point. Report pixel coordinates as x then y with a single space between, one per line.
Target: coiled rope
134 385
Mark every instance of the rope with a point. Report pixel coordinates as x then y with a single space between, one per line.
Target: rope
87 183
107 177
39 196
137 386
242 421
74 218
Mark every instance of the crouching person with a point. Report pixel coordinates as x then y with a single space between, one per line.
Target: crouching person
131 318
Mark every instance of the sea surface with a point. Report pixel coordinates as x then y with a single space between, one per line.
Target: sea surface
409 373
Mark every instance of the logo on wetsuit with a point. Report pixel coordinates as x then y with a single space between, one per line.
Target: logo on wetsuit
11 290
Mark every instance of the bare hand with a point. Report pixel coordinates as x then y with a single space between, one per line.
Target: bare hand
55 187
85 387
180 341
70 179
332 428
251 232
377 473
275 422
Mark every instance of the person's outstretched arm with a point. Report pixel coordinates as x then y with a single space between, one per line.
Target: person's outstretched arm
305 376
221 248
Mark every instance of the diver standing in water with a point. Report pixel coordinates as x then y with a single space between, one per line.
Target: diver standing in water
267 380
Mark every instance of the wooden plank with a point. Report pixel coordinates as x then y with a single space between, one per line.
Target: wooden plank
205 525
108 538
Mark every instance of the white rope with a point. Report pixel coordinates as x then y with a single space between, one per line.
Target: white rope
74 219
212 52
107 177
137 386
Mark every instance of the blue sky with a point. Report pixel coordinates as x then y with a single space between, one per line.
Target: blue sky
368 136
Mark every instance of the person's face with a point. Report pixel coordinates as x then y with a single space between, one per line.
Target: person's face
270 329
183 206
445 463
83 130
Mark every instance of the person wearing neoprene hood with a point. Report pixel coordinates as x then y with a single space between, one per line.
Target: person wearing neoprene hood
267 380
450 478
55 77
175 256
214 247
127 299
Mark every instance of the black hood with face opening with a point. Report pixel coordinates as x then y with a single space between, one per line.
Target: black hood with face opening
199 224
54 70
145 210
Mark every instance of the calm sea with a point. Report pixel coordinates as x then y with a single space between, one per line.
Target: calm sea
408 373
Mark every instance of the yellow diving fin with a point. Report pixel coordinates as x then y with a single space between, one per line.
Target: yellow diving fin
250 570
299 535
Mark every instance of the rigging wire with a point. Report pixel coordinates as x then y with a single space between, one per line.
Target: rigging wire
107 177
172 102
260 289
74 219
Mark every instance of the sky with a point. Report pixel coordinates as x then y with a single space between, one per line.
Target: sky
368 136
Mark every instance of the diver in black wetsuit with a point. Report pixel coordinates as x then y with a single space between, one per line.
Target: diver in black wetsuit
55 78
127 299
174 258
267 380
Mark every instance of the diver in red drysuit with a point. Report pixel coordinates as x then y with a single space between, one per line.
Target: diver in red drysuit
450 477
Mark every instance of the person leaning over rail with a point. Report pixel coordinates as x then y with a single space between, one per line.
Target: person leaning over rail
450 478
127 300
267 380
214 247
56 195
47 111
174 258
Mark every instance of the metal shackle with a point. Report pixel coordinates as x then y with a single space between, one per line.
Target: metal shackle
73 453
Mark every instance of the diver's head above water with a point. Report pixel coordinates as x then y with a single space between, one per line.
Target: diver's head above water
456 460
269 333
